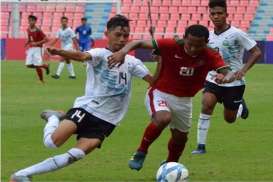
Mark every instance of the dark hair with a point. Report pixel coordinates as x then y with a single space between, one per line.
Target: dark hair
32 17
218 3
83 19
197 31
64 18
118 20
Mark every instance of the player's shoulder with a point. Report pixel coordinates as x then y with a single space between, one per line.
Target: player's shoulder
210 52
130 59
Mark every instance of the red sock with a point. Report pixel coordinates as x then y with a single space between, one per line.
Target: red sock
175 149
39 72
151 133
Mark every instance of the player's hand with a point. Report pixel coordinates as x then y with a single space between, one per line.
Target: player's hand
219 78
239 74
116 58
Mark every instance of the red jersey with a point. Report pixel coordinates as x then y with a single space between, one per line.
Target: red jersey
35 36
182 75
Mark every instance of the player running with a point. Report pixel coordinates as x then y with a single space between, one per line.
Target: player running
231 43
84 32
184 66
67 38
95 115
36 39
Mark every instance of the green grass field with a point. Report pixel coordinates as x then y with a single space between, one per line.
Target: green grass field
236 152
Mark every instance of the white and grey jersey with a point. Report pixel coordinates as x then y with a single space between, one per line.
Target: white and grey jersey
66 37
108 91
231 44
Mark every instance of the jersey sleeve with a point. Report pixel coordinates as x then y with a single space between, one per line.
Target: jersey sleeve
138 69
245 40
96 55
217 61
162 45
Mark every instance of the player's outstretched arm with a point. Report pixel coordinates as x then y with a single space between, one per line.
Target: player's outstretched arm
255 55
72 55
224 75
117 58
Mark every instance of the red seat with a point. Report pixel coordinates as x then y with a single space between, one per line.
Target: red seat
185 17
202 10
139 29
156 3
137 3
195 17
79 9
155 16
69 15
164 16
166 3
70 8
173 9
195 2
125 9
170 29
175 16
60 8
141 23
183 9
31 8
204 22
163 9
192 10
154 9
133 16
144 9
159 29
50 8
240 10
137 36
143 16
134 9
248 17
177 3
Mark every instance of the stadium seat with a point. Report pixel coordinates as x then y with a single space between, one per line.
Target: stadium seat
60 8
163 9
31 8
164 16
176 3
70 8
166 3
79 9
50 8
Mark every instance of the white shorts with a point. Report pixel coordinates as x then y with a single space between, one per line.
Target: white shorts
180 108
34 56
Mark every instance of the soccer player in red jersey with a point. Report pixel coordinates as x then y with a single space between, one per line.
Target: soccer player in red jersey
36 39
185 65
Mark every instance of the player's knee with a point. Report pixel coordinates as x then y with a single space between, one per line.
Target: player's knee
230 119
48 142
207 108
163 119
76 154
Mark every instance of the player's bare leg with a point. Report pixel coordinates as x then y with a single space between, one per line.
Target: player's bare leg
160 120
70 69
39 71
176 145
209 101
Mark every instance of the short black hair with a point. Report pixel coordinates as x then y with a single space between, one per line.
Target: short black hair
118 20
218 3
64 18
32 17
197 31
83 19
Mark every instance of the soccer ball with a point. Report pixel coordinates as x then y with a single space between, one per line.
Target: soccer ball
172 172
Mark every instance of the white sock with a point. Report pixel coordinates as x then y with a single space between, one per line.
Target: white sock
51 125
70 69
203 127
60 68
239 112
53 163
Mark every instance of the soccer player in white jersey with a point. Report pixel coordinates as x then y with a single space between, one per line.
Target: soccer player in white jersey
67 37
231 42
96 114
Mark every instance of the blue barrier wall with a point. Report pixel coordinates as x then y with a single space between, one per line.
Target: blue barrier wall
3 47
265 46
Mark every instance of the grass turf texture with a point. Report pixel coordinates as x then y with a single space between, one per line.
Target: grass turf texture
236 152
